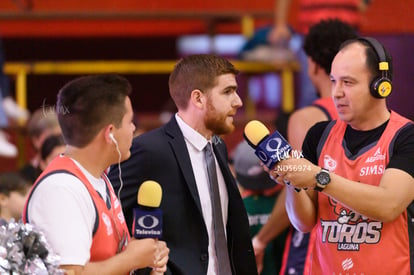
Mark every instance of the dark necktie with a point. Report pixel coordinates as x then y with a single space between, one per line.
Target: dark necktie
218 227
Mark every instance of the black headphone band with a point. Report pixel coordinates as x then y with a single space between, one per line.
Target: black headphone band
377 47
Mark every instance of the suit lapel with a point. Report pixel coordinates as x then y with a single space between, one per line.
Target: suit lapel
183 159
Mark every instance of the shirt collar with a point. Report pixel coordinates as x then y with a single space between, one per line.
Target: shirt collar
190 135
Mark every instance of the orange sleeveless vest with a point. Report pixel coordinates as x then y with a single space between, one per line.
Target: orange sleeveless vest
347 242
110 224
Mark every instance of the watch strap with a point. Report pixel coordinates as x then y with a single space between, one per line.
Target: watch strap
318 186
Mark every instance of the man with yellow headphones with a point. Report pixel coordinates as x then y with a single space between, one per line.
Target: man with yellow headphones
357 176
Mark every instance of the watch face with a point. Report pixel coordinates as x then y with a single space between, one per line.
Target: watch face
323 178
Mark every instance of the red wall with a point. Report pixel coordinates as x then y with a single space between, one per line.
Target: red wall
381 17
120 26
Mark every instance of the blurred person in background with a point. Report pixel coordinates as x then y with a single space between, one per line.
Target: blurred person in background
42 123
260 193
311 12
52 147
13 193
10 111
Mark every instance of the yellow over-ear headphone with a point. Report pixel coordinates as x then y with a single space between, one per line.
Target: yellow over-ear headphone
381 86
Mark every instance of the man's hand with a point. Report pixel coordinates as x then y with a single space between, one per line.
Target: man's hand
259 251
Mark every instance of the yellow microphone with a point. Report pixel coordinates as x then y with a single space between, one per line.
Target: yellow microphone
255 132
148 216
149 194
270 149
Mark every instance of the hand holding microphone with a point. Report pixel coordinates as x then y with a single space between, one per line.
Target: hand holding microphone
147 222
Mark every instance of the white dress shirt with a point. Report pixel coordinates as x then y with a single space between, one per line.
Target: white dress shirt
195 144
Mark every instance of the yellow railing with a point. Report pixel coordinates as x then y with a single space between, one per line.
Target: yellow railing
21 69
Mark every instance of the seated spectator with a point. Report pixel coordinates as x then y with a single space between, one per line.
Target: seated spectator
41 124
9 111
7 149
51 148
13 193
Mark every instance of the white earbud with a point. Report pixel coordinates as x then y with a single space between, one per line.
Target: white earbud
111 136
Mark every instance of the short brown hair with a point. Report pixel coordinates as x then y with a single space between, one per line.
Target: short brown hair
88 103
13 182
197 71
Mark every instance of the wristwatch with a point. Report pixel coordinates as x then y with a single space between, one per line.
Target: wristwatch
322 179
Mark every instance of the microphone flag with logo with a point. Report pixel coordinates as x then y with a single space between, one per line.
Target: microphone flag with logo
270 149
148 216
